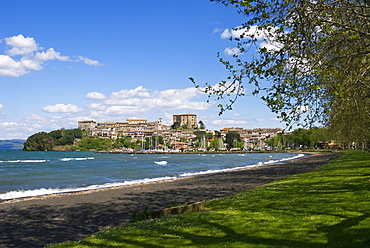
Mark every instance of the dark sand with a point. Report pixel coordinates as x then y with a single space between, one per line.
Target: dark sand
41 221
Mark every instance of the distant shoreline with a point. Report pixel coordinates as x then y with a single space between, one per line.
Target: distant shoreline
14 144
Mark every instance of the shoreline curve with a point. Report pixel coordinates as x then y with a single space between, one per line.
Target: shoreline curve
44 220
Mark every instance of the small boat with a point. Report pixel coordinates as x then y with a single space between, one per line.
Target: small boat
160 162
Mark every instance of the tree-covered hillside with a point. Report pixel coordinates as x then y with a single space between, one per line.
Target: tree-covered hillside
75 139
43 141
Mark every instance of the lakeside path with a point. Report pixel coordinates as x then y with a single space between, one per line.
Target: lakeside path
45 220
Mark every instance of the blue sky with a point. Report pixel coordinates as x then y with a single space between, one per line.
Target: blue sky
65 61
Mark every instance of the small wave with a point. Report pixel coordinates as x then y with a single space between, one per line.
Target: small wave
239 168
75 159
190 174
25 161
294 157
161 162
44 191
34 161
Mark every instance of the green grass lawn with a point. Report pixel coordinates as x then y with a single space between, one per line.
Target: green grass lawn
328 207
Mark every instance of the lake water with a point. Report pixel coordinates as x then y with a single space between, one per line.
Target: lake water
24 174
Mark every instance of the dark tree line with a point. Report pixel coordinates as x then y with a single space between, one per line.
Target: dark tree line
301 138
44 141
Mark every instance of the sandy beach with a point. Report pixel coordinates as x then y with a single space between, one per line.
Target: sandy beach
46 220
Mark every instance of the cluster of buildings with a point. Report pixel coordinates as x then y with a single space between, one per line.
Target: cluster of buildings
253 137
180 134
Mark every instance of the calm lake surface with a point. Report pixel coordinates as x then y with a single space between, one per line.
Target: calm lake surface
24 174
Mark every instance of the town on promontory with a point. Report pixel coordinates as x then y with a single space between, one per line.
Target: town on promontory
137 135
185 133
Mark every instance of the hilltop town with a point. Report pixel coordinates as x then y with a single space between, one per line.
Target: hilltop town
181 134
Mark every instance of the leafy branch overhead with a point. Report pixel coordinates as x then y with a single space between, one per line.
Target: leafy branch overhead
309 60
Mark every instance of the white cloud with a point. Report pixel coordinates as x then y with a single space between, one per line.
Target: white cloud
61 108
271 45
125 102
268 119
11 68
229 122
232 50
239 32
167 99
95 96
30 64
124 111
9 125
178 94
234 33
21 45
266 38
34 117
140 102
167 118
137 92
89 61
97 106
50 54
1 110
261 119
30 59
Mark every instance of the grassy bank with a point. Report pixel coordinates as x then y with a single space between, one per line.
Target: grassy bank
328 207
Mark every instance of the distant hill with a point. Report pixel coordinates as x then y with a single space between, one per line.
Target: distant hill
11 144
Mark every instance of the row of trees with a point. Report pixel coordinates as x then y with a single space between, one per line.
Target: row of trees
309 61
43 141
75 139
301 138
